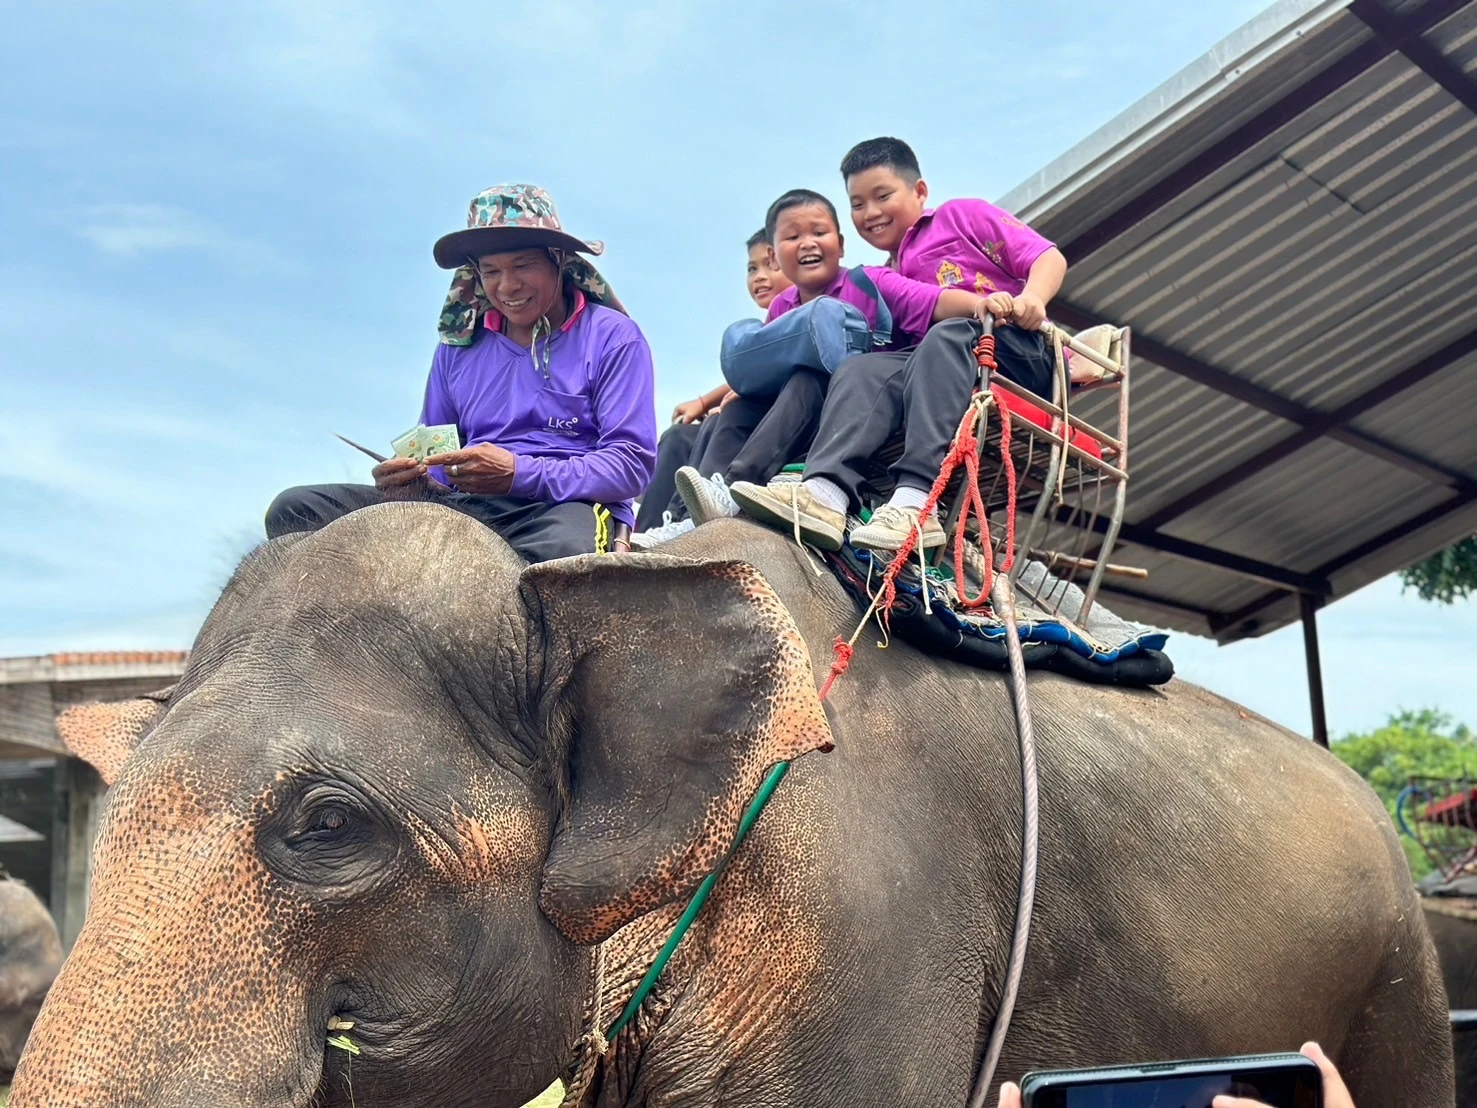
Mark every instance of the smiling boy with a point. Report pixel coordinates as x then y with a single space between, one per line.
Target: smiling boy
961 245
808 243
695 423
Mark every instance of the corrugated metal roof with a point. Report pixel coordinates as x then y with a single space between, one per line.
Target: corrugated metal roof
1289 225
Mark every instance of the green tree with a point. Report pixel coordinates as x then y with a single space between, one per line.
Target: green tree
1411 744
1445 577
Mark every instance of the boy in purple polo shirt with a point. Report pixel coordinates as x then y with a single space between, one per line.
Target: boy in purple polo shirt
806 236
663 515
962 245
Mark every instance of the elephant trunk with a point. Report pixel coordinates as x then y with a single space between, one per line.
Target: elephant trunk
176 993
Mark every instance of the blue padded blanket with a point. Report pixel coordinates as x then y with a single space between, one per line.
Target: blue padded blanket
1104 649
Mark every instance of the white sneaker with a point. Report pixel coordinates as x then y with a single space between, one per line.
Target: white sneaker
669 530
891 526
706 497
794 509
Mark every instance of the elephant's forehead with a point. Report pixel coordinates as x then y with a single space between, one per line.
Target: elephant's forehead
252 732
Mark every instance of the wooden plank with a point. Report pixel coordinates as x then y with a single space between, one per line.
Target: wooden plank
28 722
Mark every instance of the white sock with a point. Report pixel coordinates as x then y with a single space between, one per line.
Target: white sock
829 493
905 497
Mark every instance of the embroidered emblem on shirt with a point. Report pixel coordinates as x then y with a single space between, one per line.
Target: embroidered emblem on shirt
568 426
992 251
983 284
949 274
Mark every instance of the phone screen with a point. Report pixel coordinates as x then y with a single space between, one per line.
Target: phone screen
1280 1090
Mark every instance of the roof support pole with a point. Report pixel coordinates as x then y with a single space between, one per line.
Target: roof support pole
1308 605
79 796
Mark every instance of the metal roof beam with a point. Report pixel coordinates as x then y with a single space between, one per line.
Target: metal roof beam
1207 614
1341 416
1392 31
1219 380
1403 33
1349 557
1190 551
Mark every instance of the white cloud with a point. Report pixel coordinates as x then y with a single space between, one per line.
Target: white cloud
131 230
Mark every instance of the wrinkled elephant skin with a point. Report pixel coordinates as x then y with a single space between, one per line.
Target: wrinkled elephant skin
1456 948
405 783
30 955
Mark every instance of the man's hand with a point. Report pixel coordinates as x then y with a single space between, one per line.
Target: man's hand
484 469
1028 312
398 473
1335 1092
689 411
728 398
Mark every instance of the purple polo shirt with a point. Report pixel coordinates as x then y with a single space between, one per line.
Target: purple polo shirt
970 244
910 302
587 432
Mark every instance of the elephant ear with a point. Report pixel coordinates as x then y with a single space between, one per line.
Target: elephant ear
677 687
104 735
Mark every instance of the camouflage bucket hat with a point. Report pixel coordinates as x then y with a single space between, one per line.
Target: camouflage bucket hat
505 218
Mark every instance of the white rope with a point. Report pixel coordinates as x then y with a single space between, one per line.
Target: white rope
795 512
922 563
592 1045
1004 602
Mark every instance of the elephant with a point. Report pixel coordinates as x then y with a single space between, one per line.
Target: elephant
445 808
1452 922
30 955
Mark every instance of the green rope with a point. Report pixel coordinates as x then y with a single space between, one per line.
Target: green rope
699 898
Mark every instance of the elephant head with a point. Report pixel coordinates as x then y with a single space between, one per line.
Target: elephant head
402 786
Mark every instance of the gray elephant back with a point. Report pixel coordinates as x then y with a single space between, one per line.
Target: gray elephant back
30 956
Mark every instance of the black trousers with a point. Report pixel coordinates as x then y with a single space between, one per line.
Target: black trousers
756 437
537 531
751 439
924 390
680 445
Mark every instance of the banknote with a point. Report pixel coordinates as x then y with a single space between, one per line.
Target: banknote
421 441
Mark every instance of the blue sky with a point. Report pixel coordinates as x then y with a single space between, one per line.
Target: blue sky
216 226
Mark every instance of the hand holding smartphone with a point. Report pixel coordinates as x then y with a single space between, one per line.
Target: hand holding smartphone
1276 1080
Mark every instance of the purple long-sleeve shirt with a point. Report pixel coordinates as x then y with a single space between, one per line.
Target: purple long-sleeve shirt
587 432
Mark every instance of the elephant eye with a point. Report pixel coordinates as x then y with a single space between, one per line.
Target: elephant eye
330 819
329 839
323 823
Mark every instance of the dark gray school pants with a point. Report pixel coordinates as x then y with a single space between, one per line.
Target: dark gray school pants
924 390
537 531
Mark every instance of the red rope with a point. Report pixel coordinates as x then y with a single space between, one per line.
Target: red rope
965 450
843 651
1007 461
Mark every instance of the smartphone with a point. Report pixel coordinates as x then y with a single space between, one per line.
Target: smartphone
1279 1080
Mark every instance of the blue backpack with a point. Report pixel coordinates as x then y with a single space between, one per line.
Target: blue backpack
758 358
